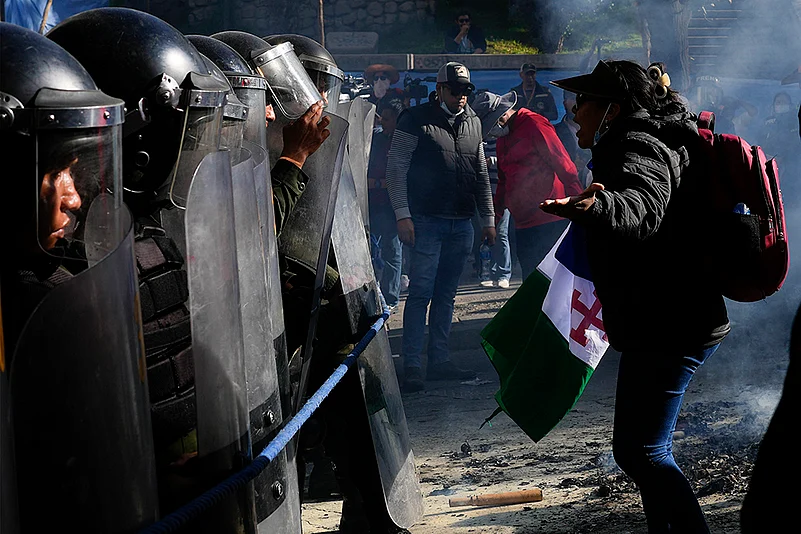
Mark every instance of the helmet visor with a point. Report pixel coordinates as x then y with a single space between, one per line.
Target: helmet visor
290 86
329 87
202 133
79 192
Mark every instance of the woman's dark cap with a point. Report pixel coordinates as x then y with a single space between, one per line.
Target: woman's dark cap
603 83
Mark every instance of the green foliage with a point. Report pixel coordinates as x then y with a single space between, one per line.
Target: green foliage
577 22
509 46
612 20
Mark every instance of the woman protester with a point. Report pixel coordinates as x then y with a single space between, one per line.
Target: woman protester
661 310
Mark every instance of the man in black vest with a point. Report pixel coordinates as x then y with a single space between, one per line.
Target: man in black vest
437 178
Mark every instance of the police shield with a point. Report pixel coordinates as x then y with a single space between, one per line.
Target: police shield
208 227
391 441
360 115
263 394
306 235
277 493
8 492
81 410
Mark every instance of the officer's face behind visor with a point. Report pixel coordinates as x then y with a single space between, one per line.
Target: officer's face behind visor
329 87
75 170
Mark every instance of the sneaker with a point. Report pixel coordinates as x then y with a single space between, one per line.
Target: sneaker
486 283
413 380
504 283
404 283
449 371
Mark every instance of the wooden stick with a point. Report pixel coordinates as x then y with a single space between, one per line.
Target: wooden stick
45 15
498 499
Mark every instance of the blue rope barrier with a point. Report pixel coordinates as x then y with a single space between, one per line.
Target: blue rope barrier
212 497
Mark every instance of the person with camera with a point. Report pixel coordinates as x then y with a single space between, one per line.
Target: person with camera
464 38
381 78
437 178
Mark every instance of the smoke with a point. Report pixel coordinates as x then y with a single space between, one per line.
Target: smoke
748 47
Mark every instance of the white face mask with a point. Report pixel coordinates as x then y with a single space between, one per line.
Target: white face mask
498 131
778 109
380 88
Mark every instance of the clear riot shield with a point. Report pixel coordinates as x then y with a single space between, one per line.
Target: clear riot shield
391 441
285 517
306 235
264 398
393 447
8 491
223 436
359 113
84 449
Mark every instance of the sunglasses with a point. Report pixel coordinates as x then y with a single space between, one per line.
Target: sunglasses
463 21
382 77
459 90
580 99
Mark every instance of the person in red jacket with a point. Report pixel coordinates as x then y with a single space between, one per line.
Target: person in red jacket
532 166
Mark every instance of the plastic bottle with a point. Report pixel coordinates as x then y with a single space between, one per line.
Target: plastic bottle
485 254
742 209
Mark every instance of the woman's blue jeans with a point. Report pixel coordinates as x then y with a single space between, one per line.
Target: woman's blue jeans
650 391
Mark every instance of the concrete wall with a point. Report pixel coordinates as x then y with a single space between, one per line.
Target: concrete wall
380 16
265 17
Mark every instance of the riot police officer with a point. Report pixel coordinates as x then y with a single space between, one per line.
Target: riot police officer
176 174
365 433
70 331
261 303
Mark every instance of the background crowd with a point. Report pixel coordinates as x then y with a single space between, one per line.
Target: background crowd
545 162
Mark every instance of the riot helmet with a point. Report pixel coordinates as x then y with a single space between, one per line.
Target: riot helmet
62 137
291 89
250 88
319 64
174 106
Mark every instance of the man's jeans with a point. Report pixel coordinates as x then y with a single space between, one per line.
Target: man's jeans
501 253
650 390
383 226
440 252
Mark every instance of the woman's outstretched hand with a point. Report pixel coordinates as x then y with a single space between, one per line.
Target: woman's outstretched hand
569 207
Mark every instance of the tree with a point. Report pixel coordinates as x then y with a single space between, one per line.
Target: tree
664 25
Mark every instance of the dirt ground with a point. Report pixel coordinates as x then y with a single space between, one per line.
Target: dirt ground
726 410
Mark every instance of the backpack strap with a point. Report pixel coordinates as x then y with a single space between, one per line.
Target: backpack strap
706 121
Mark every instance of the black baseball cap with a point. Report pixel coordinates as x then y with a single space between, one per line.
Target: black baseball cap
527 67
603 82
454 73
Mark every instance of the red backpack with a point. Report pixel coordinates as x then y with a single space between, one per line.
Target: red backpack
742 188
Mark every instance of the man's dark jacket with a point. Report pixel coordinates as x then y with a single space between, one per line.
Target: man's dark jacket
475 34
646 238
568 138
442 178
540 101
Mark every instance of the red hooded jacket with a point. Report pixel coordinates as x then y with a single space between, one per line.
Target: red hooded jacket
532 166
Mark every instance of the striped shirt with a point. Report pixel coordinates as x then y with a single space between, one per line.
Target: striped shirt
398 162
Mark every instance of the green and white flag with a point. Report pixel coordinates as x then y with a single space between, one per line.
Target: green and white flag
547 340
